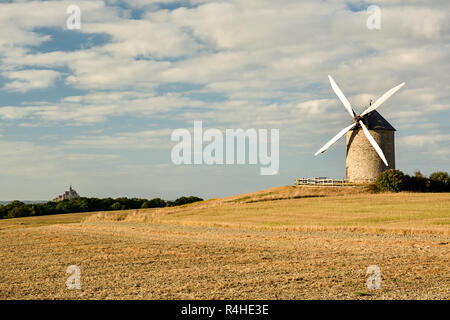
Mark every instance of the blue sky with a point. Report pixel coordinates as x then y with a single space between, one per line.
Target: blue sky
95 107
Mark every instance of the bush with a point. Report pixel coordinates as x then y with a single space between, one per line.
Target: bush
156 203
17 212
439 182
417 182
170 204
185 200
20 209
116 206
395 180
391 180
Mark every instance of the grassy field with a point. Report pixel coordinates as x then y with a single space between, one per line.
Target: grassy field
281 243
305 209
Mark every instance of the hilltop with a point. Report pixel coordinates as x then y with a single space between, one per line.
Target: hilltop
306 208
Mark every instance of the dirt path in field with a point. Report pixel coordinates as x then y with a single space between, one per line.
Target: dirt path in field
145 261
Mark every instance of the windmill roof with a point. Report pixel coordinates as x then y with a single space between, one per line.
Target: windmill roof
375 121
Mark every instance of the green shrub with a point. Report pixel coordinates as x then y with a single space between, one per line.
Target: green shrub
395 180
170 203
439 182
116 206
20 209
185 200
391 180
156 203
417 182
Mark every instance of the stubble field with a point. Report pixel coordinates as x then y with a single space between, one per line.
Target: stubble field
281 243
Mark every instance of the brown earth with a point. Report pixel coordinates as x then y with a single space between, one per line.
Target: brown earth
126 259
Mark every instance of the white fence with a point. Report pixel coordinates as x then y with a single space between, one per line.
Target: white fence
325 181
320 181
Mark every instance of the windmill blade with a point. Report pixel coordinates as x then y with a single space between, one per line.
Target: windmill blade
341 96
373 143
382 99
335 138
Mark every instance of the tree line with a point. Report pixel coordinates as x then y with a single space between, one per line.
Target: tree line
396 180
17 208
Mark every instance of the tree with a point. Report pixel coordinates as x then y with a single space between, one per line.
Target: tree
185 200
421 183
391 180
157 203
20 211
439 182
116 206
170 203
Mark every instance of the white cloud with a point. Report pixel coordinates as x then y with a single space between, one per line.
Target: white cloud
99 106
258 63
30 79
432 141
25 159
148 139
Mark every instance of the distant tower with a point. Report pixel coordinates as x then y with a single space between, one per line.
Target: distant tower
67 195
363 164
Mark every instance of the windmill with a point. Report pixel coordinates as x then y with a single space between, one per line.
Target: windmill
363 152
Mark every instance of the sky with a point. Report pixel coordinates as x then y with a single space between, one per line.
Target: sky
95 107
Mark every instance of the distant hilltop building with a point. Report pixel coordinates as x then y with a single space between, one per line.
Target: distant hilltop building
71 194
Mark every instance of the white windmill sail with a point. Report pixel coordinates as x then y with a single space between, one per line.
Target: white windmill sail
358 119
336 138
341 97
373 143
382 99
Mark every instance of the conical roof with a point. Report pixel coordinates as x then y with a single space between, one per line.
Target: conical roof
375 121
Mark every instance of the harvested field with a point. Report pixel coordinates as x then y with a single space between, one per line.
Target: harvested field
307 209
294 248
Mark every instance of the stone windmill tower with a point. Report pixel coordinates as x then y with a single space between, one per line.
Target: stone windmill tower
363 164
370 140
